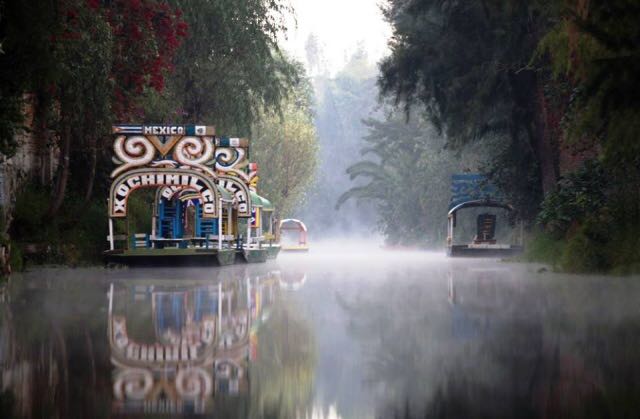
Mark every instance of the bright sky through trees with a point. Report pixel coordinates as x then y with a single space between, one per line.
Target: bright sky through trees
340 25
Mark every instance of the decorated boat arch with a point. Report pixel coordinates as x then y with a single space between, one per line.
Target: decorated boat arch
205 205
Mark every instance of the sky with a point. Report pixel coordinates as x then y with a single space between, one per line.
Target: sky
340 25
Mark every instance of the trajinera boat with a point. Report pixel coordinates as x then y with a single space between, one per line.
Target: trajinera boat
205 205
474 192
297 229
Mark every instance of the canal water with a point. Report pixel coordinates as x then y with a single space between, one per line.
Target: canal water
336 333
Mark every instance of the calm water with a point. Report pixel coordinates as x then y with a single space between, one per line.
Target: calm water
324 335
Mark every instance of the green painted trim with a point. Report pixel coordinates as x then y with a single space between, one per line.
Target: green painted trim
168 252
226 257
255 255
273 251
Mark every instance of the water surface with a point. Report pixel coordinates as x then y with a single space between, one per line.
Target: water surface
339 333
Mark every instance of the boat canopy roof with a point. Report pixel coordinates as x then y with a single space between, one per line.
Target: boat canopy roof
261 202
267 205
225 194
300 225
487 203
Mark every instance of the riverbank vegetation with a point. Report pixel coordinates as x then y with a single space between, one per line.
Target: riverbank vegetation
69 69
547 89
541 96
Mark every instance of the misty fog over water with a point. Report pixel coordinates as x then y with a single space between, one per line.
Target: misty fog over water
347 330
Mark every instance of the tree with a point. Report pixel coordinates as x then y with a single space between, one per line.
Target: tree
26 62
230 67
285 147
467 63
407 176
342 102
594 46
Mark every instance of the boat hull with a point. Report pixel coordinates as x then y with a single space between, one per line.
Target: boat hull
301 249
464 250
255 255
171 257
272 251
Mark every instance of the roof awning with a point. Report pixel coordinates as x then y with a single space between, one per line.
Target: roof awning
267 205
258 201
292 224
225 195
486 203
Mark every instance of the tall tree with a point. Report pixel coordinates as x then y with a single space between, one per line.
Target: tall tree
467 62
230 66
26 61
285 146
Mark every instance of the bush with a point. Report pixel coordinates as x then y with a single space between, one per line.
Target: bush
29 213
578 195
16 260
75 236
582 255
545 248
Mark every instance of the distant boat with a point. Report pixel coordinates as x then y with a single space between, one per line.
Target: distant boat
474 191
294 225
484 244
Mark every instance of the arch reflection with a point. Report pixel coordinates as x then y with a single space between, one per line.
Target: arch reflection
177 347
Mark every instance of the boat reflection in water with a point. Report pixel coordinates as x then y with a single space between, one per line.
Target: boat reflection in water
186 348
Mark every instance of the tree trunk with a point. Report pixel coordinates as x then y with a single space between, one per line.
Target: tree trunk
63 168
529 95
93 161
542 142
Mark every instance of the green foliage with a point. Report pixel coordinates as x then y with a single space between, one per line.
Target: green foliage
578 195
230 67
590 223
467 63
341 102
586 249
285 147
16 261
475 90
596 47
25 28
544 248
140 208
282 377
407 176
90 62
28 215
75 238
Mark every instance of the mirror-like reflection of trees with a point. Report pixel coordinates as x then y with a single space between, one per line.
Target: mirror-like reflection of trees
283 372
491 344
53 362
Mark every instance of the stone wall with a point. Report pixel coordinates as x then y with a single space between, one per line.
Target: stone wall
35 161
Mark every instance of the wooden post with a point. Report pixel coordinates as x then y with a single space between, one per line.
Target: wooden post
111 246
452 228
219 331
220 224
154 219
110 300
248 233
